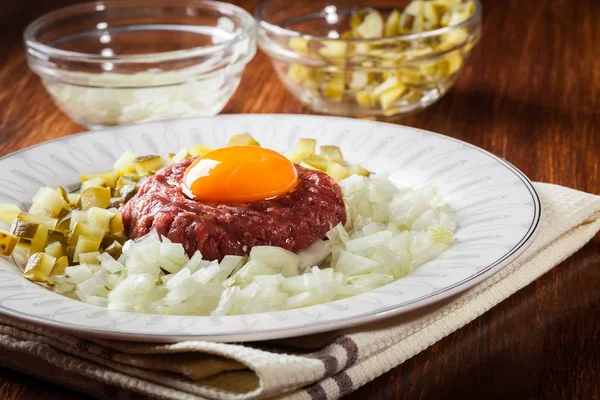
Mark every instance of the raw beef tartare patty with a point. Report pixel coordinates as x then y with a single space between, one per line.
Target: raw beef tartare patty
293 221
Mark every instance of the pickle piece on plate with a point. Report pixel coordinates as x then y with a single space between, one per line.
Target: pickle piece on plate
85 245
125 164
95 182
24 229
48 202
243 139
145 165
115 250
89 231
110 178
57 236
74 199
55 250
99 217
303 148
8 242
88 258
116 225
199 150
332 153
39 267
8 213
95 197
59 266
337 171
316 161
358 170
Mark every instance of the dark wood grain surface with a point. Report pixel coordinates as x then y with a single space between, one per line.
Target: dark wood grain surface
531 94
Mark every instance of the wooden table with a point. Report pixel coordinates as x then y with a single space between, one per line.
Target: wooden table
531 94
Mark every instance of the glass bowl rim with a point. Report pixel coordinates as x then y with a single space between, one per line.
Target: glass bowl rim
43 50
281 31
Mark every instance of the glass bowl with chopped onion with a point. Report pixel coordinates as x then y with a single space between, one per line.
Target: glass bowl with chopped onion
368 59
129 61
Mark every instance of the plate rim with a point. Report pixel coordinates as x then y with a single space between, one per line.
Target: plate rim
320 326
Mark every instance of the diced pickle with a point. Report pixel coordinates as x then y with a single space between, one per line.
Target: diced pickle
303 148
57 236
95 197
39 267
389 97
99 218
95 182
24 229
116 224
316 161
411 62
55 250
147 164
109 239
115 250
371 27
298 44
8 242
48 202
199 150
110 178
63 192
8 212
337 171
88 258
85 245
356 19
334 89
298 73
333 49
74 199
391 27
365 98
125 164
332 153
59 266
86 230
243 139
358 170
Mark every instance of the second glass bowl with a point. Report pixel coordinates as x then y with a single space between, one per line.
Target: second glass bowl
336 62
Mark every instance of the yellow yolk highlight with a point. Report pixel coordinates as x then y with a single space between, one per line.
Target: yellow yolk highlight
240 174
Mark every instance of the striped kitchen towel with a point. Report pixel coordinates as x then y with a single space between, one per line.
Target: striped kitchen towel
324 366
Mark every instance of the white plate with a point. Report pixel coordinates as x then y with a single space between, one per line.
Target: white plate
498 212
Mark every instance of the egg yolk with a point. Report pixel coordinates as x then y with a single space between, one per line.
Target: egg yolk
239 174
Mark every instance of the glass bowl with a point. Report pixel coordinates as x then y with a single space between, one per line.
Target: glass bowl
332 60
129 61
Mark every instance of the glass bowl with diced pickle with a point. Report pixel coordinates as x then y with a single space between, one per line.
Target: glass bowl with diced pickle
368 59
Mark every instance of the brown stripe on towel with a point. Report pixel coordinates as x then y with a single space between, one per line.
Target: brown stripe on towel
344 383
351 349
331 364
316 392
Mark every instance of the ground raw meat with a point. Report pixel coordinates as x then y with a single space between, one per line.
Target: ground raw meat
293 221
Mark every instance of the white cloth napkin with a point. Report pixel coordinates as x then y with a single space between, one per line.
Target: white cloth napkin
325 366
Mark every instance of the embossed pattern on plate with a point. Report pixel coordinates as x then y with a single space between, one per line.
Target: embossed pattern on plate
497 207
